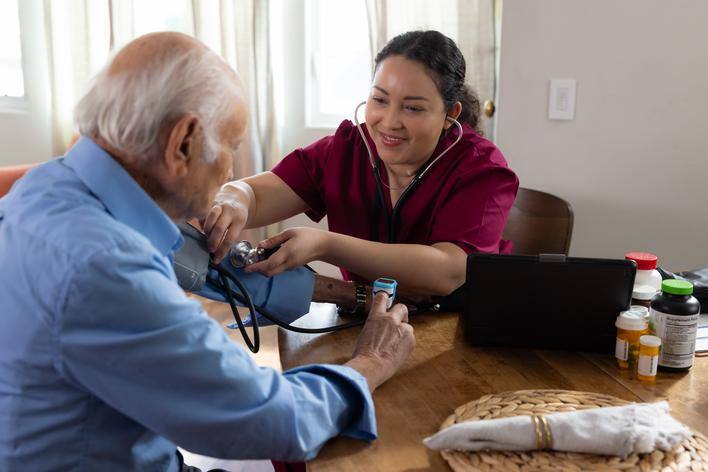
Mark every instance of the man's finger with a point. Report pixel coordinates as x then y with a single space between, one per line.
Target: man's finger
211 218
379 303
399 311
408 328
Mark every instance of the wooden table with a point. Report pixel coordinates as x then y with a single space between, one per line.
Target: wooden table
443 373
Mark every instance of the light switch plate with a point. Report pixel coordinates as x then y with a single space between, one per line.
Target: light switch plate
561 99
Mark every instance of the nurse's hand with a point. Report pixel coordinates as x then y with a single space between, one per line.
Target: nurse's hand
226 219
298 246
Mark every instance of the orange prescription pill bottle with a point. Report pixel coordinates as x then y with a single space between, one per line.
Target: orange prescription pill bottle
648 362
631 325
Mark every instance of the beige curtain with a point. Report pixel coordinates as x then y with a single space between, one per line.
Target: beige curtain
378 26
238 30
78 42
82 34
477 41
470 23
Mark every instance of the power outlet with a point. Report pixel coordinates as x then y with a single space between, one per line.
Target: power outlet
561 99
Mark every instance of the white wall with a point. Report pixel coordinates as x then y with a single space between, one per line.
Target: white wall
634 162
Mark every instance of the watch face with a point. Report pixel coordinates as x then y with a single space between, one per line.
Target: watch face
360 293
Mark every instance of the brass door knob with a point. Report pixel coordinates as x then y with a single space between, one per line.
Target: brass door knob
489 108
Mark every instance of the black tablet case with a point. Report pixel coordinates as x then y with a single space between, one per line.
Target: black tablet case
546 301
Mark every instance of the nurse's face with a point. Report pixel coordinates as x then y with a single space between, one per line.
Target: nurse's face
405 113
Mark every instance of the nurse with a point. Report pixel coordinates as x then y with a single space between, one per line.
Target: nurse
408 194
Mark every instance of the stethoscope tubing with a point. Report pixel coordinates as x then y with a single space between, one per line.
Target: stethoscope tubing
371 154
411 185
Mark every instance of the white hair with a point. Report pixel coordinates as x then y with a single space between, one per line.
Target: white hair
130 110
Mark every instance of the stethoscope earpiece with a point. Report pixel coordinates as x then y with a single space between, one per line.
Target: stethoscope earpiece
371 154
363 136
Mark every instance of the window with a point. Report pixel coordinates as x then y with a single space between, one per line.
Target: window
132 18
162 15
409 15
11 77
338 60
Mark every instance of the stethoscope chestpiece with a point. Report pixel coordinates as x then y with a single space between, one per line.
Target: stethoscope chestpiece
243 253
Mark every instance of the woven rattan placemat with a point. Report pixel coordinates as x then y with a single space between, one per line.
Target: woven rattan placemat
691 455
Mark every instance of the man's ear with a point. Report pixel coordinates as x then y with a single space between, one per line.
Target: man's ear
183 145
454 113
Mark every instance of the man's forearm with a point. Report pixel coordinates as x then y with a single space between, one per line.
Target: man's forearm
343 293
329 290
372 371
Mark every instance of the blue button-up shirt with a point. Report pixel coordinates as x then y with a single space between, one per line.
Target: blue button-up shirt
105 364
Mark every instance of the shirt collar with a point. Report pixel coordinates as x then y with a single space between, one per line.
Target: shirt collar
122 196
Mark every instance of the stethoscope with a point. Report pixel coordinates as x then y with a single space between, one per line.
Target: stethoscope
391 220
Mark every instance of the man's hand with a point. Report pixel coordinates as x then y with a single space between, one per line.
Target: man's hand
227 218
384 344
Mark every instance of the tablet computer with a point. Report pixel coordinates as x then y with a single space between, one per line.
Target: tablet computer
546 301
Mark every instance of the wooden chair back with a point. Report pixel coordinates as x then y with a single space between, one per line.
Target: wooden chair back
539 223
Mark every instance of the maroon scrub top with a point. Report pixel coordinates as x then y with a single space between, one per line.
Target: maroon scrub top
464 198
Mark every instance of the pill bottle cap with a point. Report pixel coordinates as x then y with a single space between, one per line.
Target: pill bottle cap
631 321
638 310
677 287
644 260
649 340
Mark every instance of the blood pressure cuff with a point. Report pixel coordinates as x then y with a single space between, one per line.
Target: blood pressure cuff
286 295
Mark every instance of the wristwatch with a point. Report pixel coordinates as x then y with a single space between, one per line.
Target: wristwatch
360 296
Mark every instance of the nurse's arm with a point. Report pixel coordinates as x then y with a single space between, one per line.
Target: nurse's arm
438 269
435 270
253 202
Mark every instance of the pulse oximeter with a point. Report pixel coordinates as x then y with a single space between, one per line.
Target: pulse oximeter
388 286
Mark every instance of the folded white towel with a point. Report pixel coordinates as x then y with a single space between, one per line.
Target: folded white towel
616 431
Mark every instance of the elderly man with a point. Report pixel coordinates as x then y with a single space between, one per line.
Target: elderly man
105 364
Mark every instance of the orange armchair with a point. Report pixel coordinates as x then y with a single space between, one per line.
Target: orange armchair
9 174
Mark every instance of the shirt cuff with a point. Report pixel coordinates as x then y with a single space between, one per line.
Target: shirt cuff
363 420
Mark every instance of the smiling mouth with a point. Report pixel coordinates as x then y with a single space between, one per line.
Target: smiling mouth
391 141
